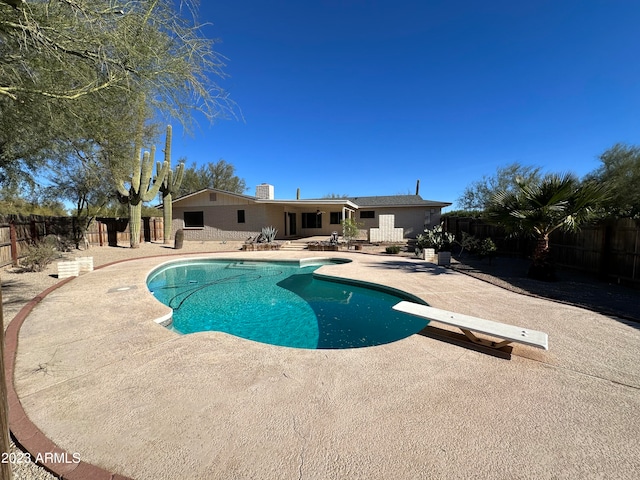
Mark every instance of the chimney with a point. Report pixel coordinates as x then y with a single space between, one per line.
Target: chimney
264 191
418 187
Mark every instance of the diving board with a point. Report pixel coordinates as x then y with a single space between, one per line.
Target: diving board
469 325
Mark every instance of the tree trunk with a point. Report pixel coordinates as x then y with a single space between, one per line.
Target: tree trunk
541 253
541 267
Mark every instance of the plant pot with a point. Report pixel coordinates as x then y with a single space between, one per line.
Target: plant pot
444 258
429 255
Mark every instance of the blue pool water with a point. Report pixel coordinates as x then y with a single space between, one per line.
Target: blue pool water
279 303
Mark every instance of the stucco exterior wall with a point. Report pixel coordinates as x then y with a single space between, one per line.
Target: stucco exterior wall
413 220
220 222
220 217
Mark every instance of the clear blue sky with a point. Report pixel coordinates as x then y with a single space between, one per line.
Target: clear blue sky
366 97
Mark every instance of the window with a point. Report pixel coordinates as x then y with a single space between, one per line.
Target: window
194 219
335 218
240 216
367 214
311 220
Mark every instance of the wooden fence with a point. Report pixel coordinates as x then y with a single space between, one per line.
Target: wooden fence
115 231
17 232
610 249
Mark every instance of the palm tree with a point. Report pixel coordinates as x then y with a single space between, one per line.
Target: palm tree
539 208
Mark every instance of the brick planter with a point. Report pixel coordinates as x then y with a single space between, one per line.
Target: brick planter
323 248
252 247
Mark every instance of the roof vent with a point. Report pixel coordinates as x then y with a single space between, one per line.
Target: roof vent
264 191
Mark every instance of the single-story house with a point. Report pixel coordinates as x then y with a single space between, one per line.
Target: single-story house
212 214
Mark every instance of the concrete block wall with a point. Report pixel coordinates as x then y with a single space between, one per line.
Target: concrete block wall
386 231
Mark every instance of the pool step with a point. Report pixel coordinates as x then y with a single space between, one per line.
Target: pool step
294 246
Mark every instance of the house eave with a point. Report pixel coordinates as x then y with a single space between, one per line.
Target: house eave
309 202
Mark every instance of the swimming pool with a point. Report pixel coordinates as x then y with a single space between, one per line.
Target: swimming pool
280 303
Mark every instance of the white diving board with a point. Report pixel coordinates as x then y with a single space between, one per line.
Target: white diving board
469 324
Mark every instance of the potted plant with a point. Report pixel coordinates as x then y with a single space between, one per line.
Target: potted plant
440 241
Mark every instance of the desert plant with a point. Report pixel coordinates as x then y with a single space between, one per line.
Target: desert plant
179 239
38 256
393 249
139 191
140 187
268 234
169 186
537 209
435 238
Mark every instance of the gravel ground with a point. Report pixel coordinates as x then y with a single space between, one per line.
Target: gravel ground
20 287
572 287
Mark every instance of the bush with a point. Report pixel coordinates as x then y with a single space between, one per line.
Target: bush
38 256
393 249
469 243
488 248
61 244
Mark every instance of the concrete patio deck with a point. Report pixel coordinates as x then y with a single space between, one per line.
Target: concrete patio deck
100 379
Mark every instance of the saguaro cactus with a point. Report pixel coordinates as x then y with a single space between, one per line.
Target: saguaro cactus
169 186
141 189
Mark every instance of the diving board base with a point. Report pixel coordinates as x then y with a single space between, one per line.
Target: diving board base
461 340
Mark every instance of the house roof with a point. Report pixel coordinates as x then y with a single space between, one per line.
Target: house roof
396 201
322 201
355 202
239 195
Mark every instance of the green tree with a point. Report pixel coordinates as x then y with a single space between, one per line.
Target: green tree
350 230
85 182
29 201
478 194
620 175
109 52
538 208
220 175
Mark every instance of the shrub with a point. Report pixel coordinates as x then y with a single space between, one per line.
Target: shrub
487 248
470 243
61 244
393 249
38 256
